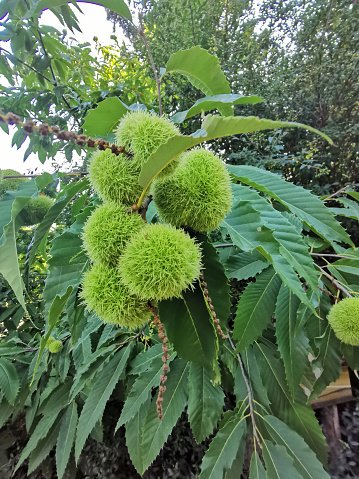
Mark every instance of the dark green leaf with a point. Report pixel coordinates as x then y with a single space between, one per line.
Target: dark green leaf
205 402
9 380
292 345
255 308
304 458
223 448
66 439
301 202
95 404
189 328
156 432
278 462
141 390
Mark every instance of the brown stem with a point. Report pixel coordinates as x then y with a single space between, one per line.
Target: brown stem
165 358
209 301
158 81
249 391
336 284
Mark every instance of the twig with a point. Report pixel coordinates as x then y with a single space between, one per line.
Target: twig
326 291
225 245
336 284
158 81
330 255
249 391
26 65
82 173
51 69
336 193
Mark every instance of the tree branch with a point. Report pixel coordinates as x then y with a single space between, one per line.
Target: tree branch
336 284
26 65
158 81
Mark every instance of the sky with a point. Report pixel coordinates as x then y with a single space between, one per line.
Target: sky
92 23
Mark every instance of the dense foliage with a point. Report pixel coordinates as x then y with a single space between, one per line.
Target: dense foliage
246 380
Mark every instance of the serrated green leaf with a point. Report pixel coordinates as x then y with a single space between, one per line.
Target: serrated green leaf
259 392
255 308
85 373
156 432
245 265
44 447
292 345
103 119
134 436
304 458
141 390
99 395
328 359
301 202
256 470
248 231
143 360
56 402
294 413
66 438
350 210
292 246
51 216
67 266
118 6
9 380
223 448
55 311
237 464
189 328
212 127
278 462
203 70
215 102
5 412
205 402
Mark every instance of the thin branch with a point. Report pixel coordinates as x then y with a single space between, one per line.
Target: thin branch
341 190
330 255
336 284
249 391
225 245
192 23
26 65
158 81
82 173
51 69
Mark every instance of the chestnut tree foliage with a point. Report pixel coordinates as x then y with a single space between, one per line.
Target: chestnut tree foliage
60 363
